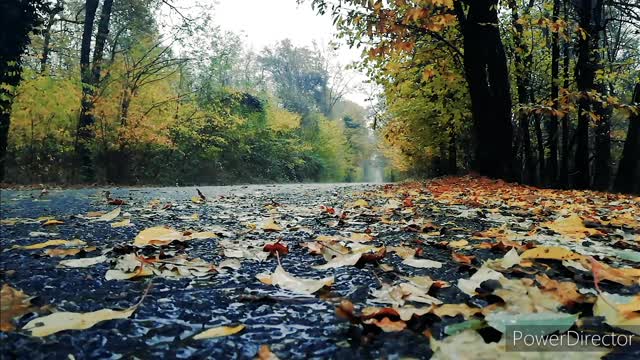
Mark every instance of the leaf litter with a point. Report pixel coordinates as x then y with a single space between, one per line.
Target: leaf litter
439 263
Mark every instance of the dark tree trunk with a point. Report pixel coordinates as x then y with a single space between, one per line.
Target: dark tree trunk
90 79
628 177
523 86
602 173
564 164
487 75
585 77
46 46
551 174
18 19
85 132
453 155
101 39
540 146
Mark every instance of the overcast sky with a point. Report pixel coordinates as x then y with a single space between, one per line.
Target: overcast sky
265 22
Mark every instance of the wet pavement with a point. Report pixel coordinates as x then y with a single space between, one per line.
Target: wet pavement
294 326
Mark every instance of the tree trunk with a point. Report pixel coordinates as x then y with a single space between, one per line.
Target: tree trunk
551 175
84 131
90 80
46 46
18 18
628 177
540 146
523 86
585 76
564 164
453 155
487 75
602 173
101 38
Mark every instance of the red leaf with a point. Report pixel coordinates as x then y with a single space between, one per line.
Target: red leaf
276 247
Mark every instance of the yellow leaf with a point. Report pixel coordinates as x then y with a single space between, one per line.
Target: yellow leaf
197 200
360 237
60 321
50 243
572 226
52 222
219 332
158 235
271 226
123 223
66 252
614 308
458 243
360 203
550 252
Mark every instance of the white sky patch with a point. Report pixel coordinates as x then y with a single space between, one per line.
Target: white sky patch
263 23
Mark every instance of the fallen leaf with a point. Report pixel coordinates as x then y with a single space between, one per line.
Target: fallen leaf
271 226
232 264
572 226
45 244
219 332
67 252
264 353
13 303
289 282
159 234
404 252
613 308
541 323
550 252
110 215
82 263
359 237
387 325
422 263
454 310
627 277
276 247
52 222
123 223
340 261
565 292
458 244
461 258
60 321
360 203
469 286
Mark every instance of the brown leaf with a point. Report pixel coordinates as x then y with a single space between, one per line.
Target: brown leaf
13 303
461 258
565 292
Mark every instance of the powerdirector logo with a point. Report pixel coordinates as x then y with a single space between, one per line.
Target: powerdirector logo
541 338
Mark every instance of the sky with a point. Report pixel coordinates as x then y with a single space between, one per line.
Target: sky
265 22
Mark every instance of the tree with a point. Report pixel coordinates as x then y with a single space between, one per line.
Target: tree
19 18
628 178
90 73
